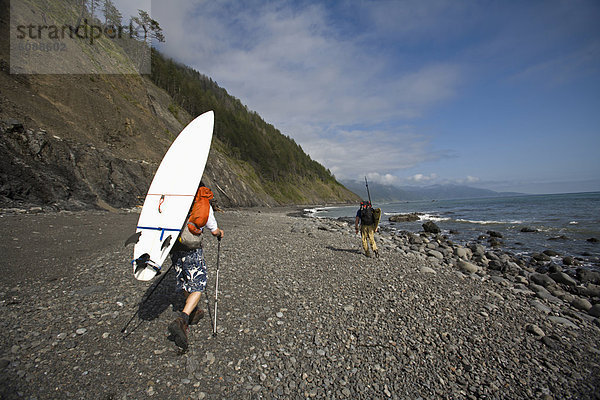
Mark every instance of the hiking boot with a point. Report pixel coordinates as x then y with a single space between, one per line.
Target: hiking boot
196 316
178 329
368 254
376 253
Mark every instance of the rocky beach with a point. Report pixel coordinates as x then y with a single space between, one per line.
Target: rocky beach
302 313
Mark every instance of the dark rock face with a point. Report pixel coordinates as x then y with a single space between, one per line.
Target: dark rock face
38 168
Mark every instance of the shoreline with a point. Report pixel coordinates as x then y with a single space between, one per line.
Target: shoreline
527 236
302 313
572 283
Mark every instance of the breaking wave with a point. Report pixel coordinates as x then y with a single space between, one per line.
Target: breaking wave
491 222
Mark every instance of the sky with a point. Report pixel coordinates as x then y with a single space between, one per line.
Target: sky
502 95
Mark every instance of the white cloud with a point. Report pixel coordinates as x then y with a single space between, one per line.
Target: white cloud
354 153
422 178
468 180
290 66
384 179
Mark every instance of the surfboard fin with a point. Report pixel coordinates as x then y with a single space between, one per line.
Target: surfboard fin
133 238
141 262
166 243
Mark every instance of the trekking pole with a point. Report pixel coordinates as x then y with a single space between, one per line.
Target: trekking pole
217 287
368 193
146 299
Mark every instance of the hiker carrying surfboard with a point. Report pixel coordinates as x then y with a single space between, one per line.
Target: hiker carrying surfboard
189 263
366 217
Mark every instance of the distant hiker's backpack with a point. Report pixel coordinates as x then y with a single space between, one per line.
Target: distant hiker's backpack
190 234
366 215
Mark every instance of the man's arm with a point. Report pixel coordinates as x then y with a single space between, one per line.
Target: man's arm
211 224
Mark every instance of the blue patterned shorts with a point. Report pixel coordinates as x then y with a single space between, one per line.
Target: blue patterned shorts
190 268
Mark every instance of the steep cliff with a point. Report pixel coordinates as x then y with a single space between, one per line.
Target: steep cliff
75 141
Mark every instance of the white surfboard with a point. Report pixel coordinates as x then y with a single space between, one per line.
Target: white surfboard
170 196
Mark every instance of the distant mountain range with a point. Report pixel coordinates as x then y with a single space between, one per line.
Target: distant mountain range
390 193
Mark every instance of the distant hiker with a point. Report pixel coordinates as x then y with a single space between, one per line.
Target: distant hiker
190 266
365 215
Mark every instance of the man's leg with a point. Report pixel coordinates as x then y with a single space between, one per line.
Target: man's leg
372 238
364 236
191 307
370 234
191 277
191 301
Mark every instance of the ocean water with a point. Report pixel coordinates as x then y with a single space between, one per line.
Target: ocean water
563 222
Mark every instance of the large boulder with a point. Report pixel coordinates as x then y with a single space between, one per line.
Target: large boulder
436 254
568 260
528 230
585 276
494 242
467 266
551 253
581 304
589 290
462 252
561 277
594 311
541 257
477 249
404 217
495 234
542 280
431 227
415 239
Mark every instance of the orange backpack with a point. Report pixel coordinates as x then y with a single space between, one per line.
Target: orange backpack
200 210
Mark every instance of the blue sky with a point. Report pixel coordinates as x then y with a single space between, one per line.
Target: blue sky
503 95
